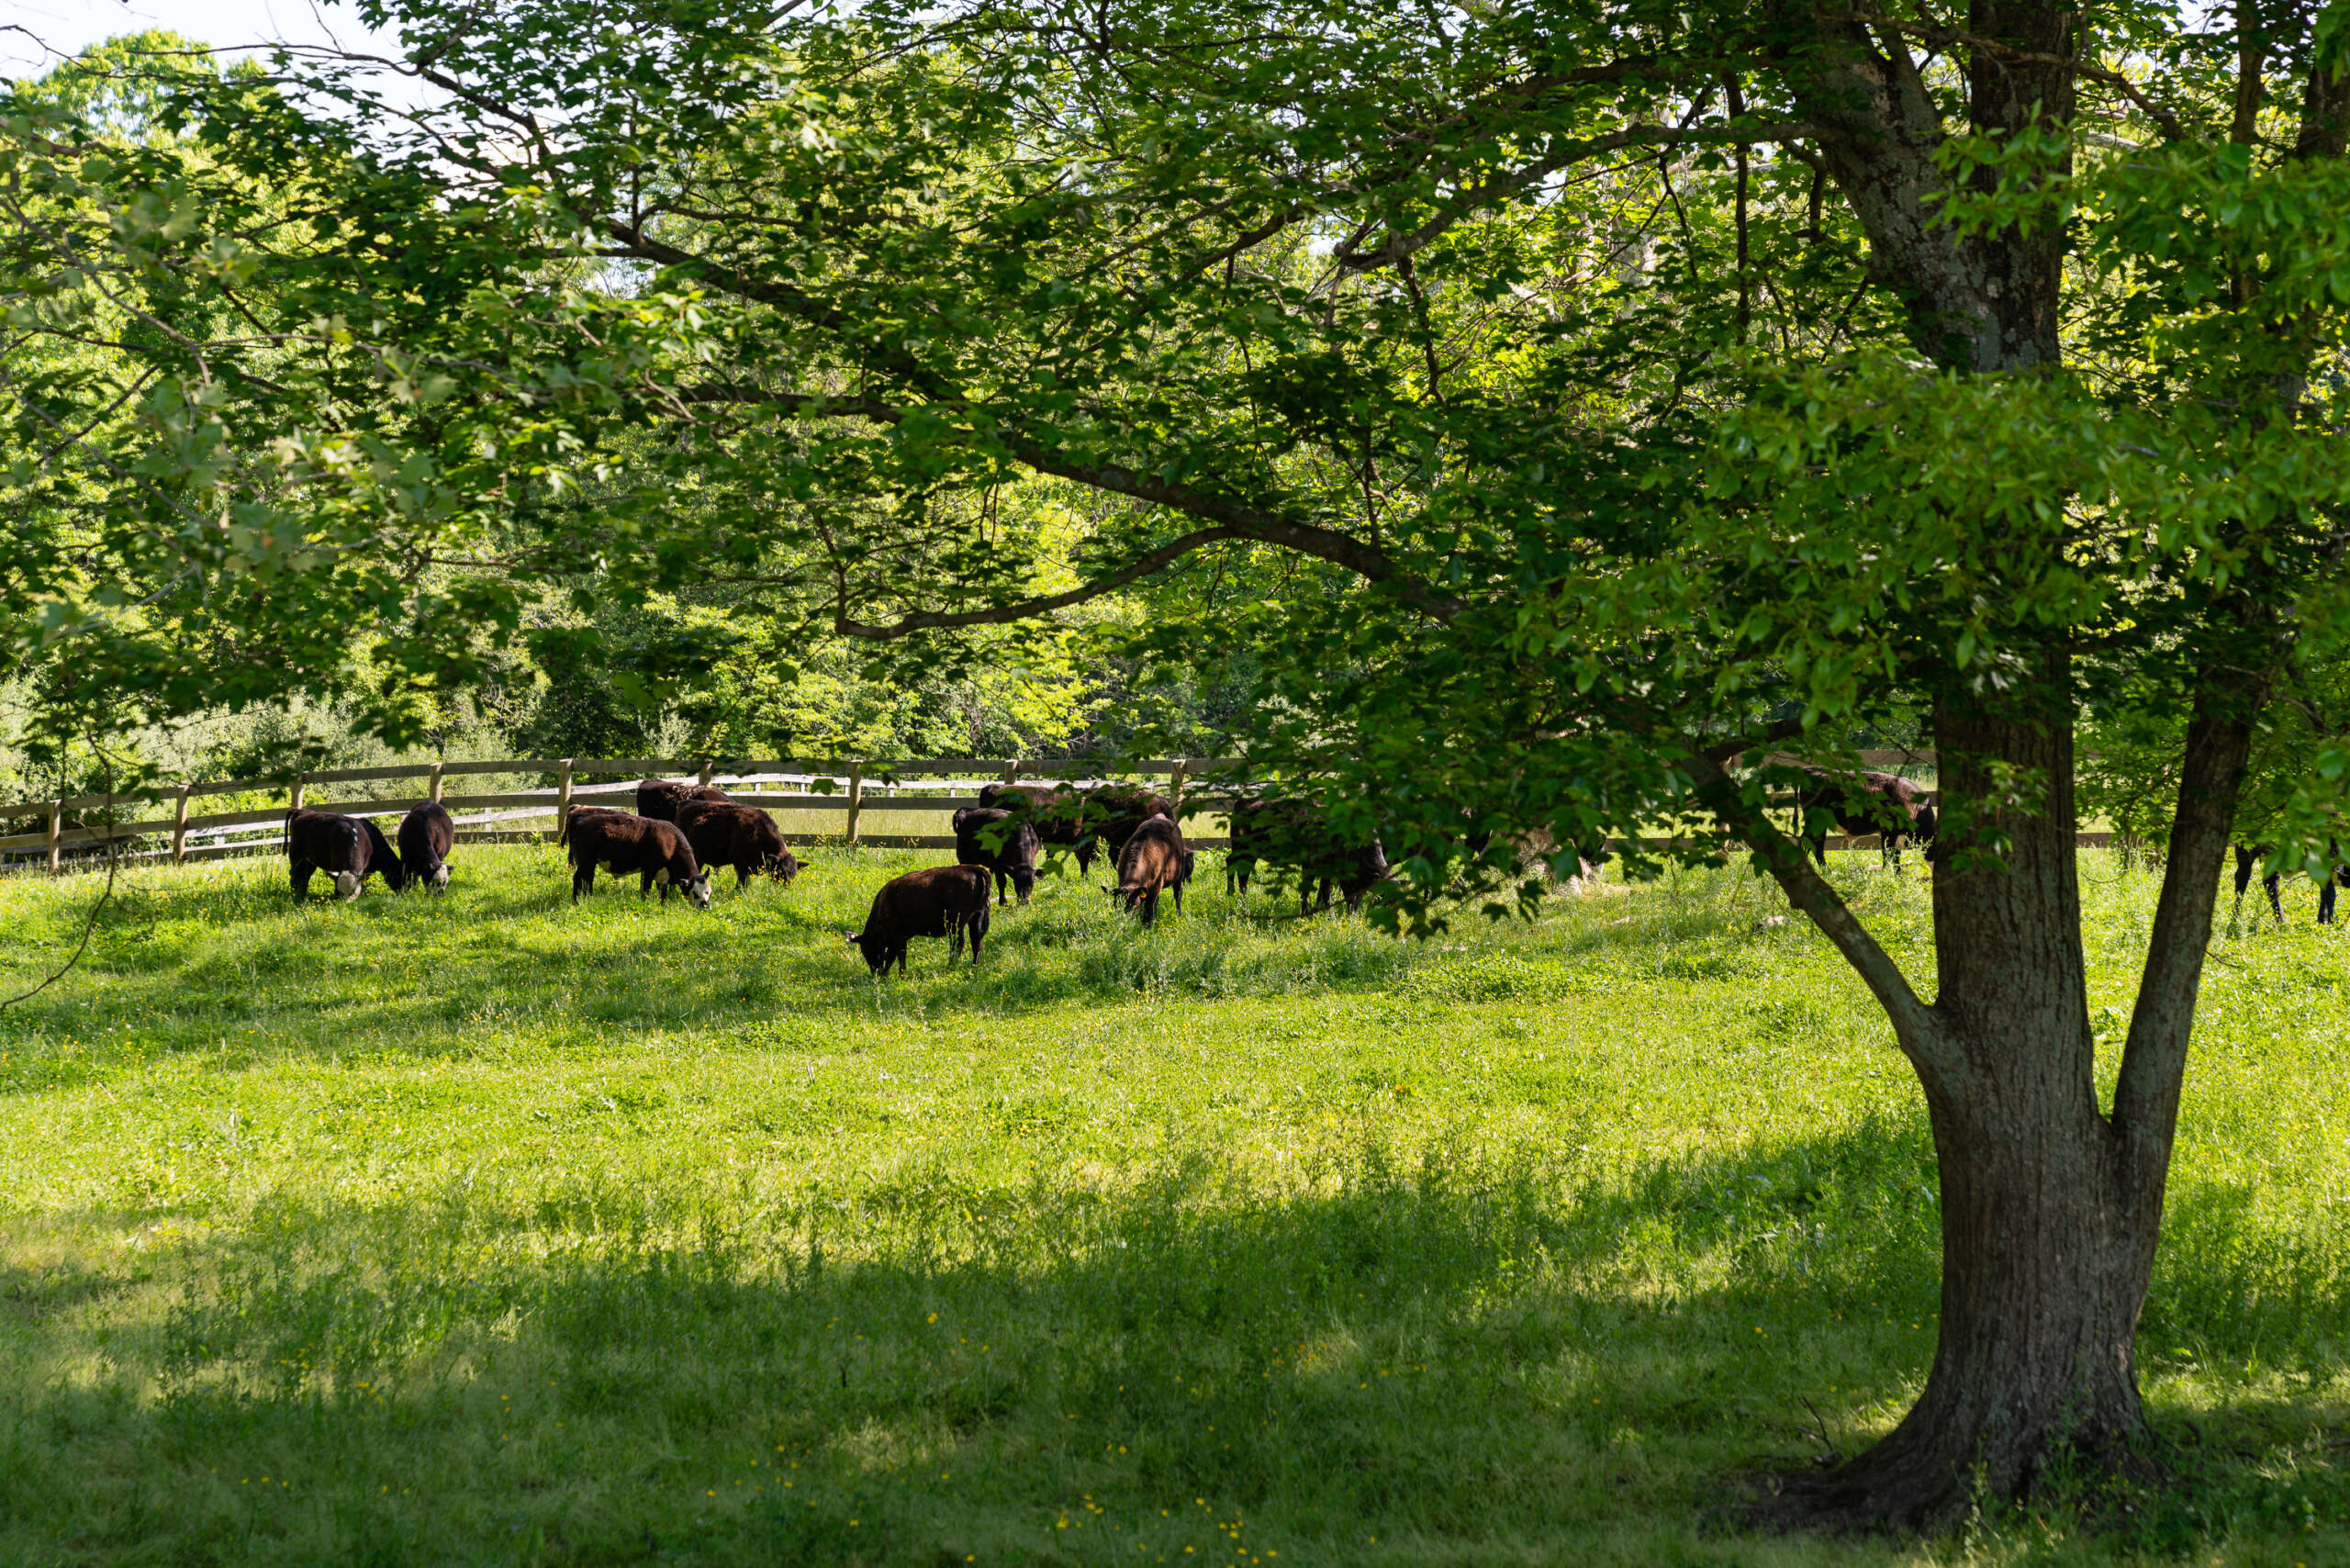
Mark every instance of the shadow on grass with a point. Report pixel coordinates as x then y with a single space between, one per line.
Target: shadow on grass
1505 1359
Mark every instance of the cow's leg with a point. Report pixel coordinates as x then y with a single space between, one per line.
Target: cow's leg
1179 898
1085 856
2244 869
978 934
583 880
1322 905
1149 906
2325 903
302 869
2270 883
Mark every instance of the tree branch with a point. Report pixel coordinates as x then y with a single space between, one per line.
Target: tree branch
2153 1060
1738 809
1230 518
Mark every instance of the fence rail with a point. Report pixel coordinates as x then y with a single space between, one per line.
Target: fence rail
856 789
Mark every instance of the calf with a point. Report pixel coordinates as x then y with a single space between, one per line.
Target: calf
1006 842
1114 811
426 838
2250 855
1864 802
1297 833
347 848
656 851
659 799
1153 860
727 833
944 900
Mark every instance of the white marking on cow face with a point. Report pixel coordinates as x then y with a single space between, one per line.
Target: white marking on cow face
698 891
346 884
441 878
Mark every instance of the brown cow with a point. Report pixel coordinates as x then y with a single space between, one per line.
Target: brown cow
1862 803
1297 833
943 901
727 833
655 850
1154 861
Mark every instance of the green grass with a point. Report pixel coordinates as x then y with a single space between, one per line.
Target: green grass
487 1229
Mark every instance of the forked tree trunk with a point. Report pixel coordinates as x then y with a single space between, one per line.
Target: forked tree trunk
2049 1208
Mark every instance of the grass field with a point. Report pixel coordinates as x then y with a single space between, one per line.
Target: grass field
487 1229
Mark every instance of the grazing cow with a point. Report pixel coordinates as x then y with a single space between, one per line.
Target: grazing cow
347 848
655 850
659 799
1009 850
426 838
1865 802
2250 855
943 901
727 833
1083 820
1296 834
581 813
1054 811
1153 860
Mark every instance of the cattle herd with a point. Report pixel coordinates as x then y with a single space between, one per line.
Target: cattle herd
679 832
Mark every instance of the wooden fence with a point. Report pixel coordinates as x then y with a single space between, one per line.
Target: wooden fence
855 790
852 794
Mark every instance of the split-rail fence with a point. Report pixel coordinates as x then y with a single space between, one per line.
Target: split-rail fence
844 795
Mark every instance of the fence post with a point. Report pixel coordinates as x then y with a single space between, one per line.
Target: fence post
1175 776
179 828
705 771
294 799
855 795
436 782
56 826
1012 771
562 795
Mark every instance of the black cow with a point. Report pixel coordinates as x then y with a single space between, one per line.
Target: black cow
659 799
943 901
1082 818
348 850
1297 834
1009 851
1862 803
1155 860
727 833
426 838
655 850
2250 855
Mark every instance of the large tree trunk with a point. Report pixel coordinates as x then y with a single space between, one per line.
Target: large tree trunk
2049 1208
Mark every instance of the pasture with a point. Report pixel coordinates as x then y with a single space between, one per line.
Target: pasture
489 1230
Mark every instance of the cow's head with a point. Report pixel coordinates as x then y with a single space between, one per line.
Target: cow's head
346 884
698 891
1024 881
784 868
441 877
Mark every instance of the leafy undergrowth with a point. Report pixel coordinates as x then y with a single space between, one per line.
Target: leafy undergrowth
487 1228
